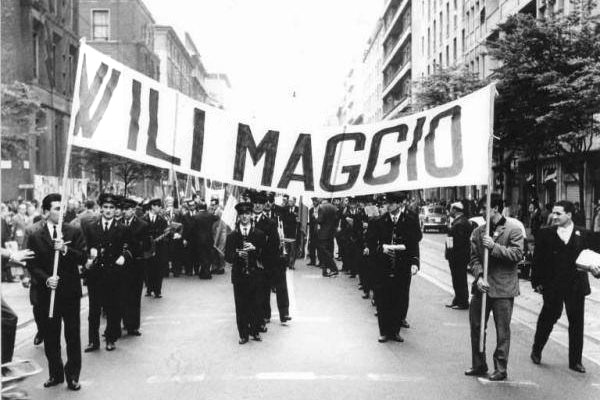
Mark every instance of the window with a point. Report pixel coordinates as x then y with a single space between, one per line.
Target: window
422 45
455 23
454 51
447 55
463 41
441 26
428 42
36 55
447 19
428 9
434 33
455 4
440 57
100 25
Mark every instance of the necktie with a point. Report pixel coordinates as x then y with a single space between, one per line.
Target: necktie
106 227
54 233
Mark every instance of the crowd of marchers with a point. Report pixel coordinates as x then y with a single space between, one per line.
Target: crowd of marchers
117 246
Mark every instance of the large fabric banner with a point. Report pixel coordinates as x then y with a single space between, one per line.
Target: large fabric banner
118 110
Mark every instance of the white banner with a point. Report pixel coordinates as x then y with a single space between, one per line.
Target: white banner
118 110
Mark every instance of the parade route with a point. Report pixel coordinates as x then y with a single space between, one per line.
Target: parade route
329 350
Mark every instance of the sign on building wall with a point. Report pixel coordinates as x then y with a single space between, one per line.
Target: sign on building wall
120 111
44 185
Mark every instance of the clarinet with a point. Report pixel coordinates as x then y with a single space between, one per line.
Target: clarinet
393 241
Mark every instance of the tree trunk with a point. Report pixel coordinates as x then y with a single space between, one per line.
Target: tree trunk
581 184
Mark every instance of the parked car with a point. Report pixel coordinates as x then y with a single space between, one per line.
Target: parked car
433 217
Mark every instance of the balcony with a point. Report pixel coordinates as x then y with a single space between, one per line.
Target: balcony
394 47
393 107
393 11
391 79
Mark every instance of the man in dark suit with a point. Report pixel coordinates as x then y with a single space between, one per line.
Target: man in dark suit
204 240
70 244
138 243
327 221
313 214
275 267
458 248
158 261
190 259
106 240
38 311
505 247
394 239
244 252
556 276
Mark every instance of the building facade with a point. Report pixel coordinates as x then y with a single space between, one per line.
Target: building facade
39 49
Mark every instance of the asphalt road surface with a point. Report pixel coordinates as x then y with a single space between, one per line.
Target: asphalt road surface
189 350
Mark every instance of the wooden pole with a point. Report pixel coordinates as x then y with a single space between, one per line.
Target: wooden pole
488 203
63 202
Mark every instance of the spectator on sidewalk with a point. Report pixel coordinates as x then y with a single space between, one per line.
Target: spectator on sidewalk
535 217
578 215
458 255
556 277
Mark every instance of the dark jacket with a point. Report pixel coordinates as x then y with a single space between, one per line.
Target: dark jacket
460 232
42 264
137 237
240 270
554 262
110 246
328 221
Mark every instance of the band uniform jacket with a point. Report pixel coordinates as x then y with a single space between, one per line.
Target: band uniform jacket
406 231
240 270
138 237
271 252
460 232
155 230
554 262
42 264
110 246
327 221
503 258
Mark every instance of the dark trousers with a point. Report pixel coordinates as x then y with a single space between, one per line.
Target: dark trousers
154 274
502 309
102 297
131 297
312 248
325 254
247 297
458 270
354 258
65 311
406 279
177 256
190 264
204 256
389 298
551 312
40 315
365 273
278 282
9 332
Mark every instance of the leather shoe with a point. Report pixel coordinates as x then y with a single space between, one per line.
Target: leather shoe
397 338
257 338
497 376
148 294
312 264
38 339
450 305
53 382
134 332
476 372
243 340
285 319
110 346
460 307
263 329
404 324
578 367
536 357
334 273
365 296
73 384
158 296
382 339
91 347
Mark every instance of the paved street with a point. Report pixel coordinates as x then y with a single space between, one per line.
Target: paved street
189 349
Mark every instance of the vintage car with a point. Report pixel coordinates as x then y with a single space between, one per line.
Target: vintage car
433 217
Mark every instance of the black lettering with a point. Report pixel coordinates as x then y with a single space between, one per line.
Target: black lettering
457 155
198 140
412 150
302 150
394 161
151 148
352 170
87 95
267 148
134 115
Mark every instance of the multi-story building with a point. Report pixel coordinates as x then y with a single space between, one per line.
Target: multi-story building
198 70
397 40
123 30
219 90
39 49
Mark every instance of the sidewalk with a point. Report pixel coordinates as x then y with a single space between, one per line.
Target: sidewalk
17 298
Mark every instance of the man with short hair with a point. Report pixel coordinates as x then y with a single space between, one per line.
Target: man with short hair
158 261
70 244
504 241
458 247
313 214
556 277
327 221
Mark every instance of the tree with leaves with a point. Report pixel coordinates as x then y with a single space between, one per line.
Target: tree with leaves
19 111
549 85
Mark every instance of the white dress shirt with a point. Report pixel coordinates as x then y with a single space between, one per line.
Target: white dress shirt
564 233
